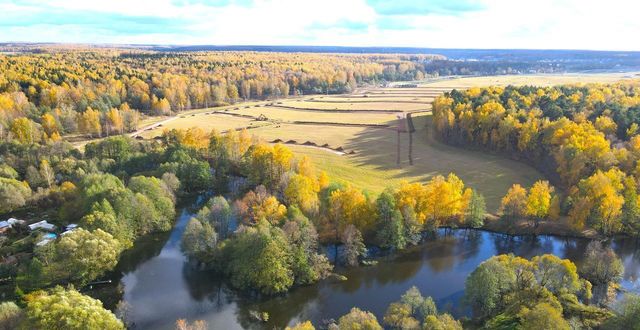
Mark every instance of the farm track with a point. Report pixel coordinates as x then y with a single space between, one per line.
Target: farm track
336 110
367 101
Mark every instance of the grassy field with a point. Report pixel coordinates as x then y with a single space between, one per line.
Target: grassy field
282 114
205 121
537 80
360 98
382 105
369 161
373 166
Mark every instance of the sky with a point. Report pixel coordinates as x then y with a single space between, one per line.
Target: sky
505 24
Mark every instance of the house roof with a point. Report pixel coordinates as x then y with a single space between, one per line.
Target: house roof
42 224
13 221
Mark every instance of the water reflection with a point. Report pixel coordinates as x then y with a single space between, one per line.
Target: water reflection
159 287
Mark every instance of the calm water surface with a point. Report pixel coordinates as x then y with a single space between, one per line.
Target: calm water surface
159 287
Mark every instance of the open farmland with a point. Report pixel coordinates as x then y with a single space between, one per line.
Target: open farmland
387 105
536 80
353 137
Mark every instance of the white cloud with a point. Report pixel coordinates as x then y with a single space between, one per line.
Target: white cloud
545 24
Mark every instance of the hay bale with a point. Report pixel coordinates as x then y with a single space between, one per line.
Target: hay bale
276 141
339 149
309 143
292 142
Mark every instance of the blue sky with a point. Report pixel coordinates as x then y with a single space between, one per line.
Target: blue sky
538 24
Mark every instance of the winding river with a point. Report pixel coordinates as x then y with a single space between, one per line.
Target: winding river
158 287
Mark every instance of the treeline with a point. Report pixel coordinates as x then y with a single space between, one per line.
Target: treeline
510 292
584 138
284 208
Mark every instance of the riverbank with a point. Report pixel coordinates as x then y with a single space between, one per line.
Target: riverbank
158 287
559 228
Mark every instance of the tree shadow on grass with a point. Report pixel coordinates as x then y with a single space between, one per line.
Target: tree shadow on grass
490 174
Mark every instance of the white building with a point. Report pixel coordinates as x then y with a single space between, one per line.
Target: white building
42 225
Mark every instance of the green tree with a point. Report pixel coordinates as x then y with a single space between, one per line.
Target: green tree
543 316
398 316
8 172
160 196
476 210
199 239
13 194
486 287
627 314
118 148
357 319
391 231
10 315
631 208
307 265
67 309
441 322
195 175
259 258
103 216
353 245
80 256
220 215
420 306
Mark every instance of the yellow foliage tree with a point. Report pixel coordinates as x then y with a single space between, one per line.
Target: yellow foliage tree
89 123
539 200
25 130
514 203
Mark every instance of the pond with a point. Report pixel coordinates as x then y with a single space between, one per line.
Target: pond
158 287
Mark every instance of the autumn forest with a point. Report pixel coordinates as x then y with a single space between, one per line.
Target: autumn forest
121 163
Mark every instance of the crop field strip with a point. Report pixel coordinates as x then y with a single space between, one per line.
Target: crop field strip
359 145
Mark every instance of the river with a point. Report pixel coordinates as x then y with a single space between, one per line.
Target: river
158 287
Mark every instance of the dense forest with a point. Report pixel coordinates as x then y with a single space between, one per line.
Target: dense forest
585 138
104 92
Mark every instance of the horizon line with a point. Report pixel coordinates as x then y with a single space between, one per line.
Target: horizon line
169 45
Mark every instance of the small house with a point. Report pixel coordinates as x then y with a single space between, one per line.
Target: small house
14 221
71 226
4 226
42 225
